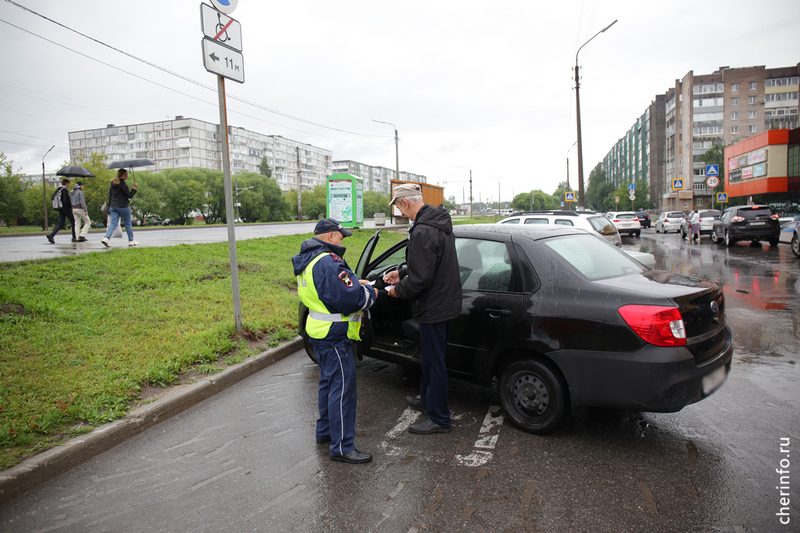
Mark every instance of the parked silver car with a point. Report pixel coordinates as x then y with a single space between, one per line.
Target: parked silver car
670 221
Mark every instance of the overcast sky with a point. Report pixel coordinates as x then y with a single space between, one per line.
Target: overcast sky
486 86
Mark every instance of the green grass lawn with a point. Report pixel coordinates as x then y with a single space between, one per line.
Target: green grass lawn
80 336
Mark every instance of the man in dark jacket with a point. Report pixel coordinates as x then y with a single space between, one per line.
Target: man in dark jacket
432 283
64 212
335 298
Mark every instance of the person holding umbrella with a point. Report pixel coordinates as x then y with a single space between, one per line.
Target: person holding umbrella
119 197
80 212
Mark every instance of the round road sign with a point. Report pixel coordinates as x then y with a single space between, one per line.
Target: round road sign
632 196
712 181
225 6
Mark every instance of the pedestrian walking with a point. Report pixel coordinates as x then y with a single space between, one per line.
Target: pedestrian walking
695 220
335 298
80 212
62 204
432 283
119 197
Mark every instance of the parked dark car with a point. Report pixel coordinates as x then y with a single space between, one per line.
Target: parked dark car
707 218
747 223
644 218
560 319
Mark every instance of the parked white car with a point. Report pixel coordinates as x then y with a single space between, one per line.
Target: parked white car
670 221
588 221
626 222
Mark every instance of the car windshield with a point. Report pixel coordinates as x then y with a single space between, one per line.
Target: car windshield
592 257
511 221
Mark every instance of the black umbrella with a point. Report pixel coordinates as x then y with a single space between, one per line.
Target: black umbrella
74 171
131 164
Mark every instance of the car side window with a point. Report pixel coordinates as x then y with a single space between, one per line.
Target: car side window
536 221
483 265
564 222
602 225
512 221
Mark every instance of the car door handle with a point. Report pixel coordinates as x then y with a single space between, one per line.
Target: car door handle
497 313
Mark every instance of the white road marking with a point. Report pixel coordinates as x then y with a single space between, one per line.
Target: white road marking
487 439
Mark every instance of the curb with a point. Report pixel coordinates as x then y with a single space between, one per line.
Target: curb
50 464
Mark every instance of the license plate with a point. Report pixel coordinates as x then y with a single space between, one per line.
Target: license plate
712 381
758 223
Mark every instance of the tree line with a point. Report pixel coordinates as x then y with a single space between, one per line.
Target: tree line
177 194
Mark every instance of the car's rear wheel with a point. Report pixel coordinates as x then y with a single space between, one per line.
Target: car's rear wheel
638 233
795 245
729 241
714 237
533 395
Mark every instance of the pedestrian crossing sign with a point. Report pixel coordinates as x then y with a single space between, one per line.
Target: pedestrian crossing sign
677 184
569 196
722 197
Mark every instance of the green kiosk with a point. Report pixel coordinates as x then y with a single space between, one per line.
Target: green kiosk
346 199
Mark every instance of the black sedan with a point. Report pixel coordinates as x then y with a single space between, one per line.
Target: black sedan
644 218
560 319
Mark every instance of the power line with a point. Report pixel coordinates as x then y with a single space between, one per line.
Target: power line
181 76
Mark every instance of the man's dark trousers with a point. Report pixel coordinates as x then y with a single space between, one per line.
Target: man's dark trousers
433 389
62 223
337 394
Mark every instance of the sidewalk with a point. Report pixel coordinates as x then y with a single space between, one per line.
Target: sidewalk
48 465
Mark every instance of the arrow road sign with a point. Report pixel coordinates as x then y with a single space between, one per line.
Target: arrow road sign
631 186
226 6
221 28
221 60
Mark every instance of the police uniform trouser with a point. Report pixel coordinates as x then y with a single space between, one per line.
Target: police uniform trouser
337 394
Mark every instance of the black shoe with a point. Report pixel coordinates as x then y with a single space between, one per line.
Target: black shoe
51 239
427 427
354 457
75 240
415 402
326 440
82 239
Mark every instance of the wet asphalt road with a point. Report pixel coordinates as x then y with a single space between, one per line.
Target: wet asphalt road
246 460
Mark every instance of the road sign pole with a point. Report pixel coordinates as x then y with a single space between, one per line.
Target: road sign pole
226 171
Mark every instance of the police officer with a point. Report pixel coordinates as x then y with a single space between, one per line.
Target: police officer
335 298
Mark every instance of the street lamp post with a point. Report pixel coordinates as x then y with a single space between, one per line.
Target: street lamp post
470 189
44 188
396 148
581 199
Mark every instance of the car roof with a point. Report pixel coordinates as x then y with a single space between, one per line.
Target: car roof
577 221
532 231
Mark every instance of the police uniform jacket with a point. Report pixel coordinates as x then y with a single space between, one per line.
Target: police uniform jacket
337 287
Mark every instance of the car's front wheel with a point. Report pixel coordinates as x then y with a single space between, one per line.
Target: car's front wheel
795 245
533 395
714 237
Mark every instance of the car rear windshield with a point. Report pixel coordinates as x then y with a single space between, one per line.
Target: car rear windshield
757 213
602 225
676 214
594 258
709 214
625 216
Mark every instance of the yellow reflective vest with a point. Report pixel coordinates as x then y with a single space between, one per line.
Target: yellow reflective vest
319 317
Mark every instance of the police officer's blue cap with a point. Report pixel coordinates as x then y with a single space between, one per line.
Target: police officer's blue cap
326 225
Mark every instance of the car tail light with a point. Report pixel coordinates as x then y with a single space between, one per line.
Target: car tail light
738 219
666 221
775 217
658 325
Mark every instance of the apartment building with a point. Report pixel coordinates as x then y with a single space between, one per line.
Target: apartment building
193 143
375 178
639 155
725 107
